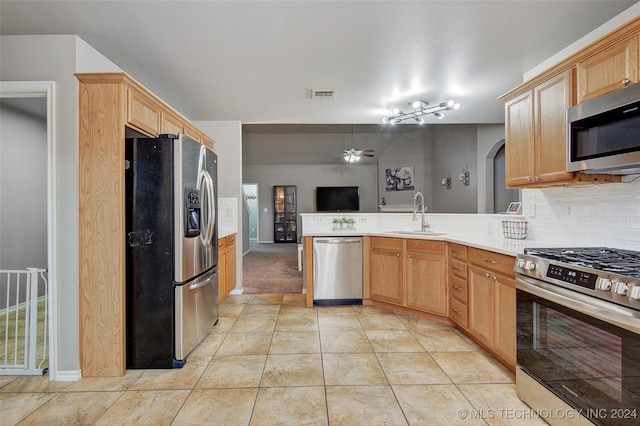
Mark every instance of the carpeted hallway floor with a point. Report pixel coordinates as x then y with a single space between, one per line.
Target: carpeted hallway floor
271 269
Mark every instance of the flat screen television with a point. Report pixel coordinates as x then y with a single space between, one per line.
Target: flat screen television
337 198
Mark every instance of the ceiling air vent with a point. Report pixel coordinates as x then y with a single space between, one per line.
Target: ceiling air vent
324 94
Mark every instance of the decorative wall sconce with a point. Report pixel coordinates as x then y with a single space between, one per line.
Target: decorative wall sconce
446 181
464 176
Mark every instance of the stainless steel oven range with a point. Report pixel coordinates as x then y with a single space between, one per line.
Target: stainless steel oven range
578 334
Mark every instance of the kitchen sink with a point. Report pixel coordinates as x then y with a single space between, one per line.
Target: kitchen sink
426 233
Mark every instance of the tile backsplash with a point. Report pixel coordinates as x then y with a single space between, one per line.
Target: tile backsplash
606 215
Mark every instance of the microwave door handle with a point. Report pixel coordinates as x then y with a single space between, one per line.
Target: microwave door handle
588 305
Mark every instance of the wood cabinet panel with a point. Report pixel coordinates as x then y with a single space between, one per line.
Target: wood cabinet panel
457 251
459 288
143 113
171 124
222 270
386 276
426 246
481 322
608 70
519 155
458 268
551 100
505 318
427 282
101 227
386 243
231 263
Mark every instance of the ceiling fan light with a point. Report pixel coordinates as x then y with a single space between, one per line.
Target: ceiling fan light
419 120
395 111
438 115
416 104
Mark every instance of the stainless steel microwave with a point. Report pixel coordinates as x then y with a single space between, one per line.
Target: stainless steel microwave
603 134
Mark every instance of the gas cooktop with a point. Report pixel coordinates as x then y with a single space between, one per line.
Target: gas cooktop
606 273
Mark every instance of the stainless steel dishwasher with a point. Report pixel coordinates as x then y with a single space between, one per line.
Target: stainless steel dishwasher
337 270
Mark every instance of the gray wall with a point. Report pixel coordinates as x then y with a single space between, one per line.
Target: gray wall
307 178
23 188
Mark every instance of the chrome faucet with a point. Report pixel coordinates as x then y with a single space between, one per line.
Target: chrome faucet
424 223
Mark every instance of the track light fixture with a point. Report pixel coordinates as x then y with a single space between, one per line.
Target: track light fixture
420 108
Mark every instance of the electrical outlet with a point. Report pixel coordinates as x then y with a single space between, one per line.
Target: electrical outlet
568 209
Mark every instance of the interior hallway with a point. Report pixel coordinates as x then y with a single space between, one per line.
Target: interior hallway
272 361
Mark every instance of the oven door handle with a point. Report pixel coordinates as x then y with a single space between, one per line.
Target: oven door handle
605 311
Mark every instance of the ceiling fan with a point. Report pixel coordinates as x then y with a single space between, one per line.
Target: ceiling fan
353 154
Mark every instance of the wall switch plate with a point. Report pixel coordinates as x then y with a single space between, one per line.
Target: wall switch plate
568 209
264 210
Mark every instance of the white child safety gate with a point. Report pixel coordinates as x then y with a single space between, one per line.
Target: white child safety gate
23 322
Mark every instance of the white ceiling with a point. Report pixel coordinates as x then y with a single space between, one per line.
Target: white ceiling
256 61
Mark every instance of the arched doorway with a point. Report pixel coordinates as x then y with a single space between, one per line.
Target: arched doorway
498 195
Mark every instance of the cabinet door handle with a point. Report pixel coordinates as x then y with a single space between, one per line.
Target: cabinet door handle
457 268
397 254
486 274
491 261
527 179
456 252
457 312
457 287
625 82
536 178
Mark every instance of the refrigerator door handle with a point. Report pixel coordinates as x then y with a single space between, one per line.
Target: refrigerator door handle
205 183
201 283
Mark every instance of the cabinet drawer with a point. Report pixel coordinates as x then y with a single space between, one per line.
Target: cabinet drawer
494 261
230 239
459 288
458 268
459 312
458 251
426 246
386 243
221 244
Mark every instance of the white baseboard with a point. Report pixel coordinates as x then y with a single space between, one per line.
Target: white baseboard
236 291
67 376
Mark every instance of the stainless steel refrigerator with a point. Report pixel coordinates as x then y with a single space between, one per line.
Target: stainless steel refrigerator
171 248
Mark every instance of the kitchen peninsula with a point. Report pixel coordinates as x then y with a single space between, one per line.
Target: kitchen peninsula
458 272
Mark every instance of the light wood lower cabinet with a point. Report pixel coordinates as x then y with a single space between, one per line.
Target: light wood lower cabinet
458 285
226 266
492 303
409 273
387 272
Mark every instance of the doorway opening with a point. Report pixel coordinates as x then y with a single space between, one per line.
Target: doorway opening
27 251
498 196
250 194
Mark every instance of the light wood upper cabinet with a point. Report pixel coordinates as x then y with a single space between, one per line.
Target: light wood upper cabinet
171 123
536 127
608 70
519 140
143 113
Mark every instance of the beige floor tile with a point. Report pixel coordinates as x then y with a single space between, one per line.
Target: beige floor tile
232 311
297 311
295 299
293 370
237 299
363 405
16 406
394 341
290 406
266 299
144 408
295 342
372 310
254 324
72 408
296 322
344 342
233 371
5 380
217 406
261 309
338 322
34 384
501 401
472 367
224 325
123 383
177 378
435 405
381 323
352 369
411 368
421 324
335 310
444 340
245 344
209 345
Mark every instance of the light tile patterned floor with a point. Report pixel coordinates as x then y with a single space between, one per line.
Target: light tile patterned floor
272 361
